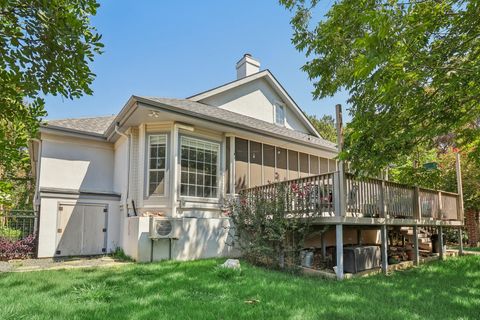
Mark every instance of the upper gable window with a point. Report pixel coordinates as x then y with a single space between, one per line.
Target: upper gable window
279 114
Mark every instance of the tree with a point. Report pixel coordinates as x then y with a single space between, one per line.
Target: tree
325 126
45 48
412 70
444 177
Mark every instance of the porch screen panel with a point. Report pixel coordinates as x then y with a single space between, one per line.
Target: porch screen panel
241 164
292 164
281 164
323 165
314 168
332 165
227 165
157 161
255 164
200 168
304 167
268 164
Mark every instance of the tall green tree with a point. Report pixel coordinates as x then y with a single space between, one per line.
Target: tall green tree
325 126
412 70
45 48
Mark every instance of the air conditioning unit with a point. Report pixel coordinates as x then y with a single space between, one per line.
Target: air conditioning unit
165 228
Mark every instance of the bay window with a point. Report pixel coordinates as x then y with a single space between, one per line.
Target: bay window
199 168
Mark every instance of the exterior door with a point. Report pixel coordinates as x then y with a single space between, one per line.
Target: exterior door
81 229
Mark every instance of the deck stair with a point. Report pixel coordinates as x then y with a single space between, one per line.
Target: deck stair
424 242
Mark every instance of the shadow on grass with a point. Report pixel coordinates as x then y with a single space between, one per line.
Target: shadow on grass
180 290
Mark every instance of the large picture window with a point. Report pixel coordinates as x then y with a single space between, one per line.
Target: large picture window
199 168
157 162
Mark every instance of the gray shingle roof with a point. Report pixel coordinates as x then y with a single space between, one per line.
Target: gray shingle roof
229 117
97 125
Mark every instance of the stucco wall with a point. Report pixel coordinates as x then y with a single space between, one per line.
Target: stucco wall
76 164
120 170
255 99
350 237
201 238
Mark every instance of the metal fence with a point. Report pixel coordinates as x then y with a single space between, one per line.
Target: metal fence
18 224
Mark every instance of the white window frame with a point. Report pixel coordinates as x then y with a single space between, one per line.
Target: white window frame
282 106
165 179
217 173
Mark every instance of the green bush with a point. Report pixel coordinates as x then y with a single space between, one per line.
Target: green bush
10 233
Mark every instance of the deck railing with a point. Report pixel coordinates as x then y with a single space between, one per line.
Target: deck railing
310 195
364 197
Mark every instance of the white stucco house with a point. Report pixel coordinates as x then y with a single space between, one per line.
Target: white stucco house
101 181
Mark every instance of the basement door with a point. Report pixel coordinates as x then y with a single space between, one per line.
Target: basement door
81 229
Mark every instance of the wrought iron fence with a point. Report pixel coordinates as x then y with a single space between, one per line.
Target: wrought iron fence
18 224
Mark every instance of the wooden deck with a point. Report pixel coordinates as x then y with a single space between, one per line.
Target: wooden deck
329 199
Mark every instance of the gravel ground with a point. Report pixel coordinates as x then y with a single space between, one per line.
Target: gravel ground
54 264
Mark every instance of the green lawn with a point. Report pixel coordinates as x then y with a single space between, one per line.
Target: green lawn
195 290
476 249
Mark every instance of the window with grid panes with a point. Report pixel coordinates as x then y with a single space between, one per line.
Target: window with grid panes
199 168
157 162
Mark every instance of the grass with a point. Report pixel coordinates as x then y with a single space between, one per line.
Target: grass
120 255
465 248
198 290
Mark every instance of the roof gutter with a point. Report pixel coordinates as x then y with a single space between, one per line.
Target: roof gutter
73 133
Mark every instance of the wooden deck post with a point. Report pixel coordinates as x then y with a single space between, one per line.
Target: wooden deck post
341 195
383 209
460 241
459 188
440 206
384 248
440 242
339 244
337 195
417 211
416 260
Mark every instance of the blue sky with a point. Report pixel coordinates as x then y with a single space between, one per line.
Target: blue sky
179 48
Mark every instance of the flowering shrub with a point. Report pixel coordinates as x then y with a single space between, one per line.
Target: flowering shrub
265 229
17 249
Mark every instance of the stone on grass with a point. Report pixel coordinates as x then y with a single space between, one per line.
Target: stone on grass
231 264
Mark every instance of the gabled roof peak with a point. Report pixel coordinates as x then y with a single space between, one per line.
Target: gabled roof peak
270 78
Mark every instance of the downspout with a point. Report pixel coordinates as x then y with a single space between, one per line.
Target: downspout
36 197
127 182
36 161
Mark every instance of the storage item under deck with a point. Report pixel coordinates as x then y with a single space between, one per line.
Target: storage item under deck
360 258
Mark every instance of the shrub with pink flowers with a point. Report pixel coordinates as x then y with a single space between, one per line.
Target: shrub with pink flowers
264 228
17 249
